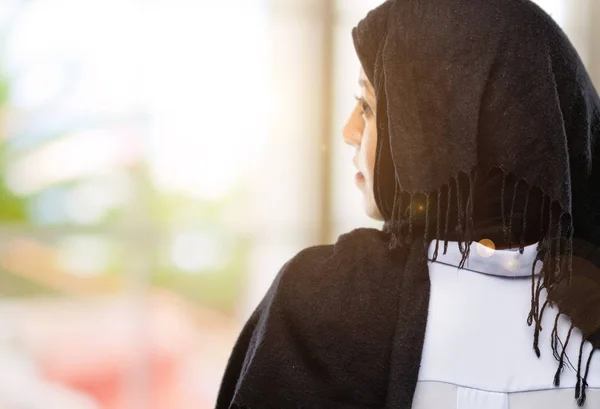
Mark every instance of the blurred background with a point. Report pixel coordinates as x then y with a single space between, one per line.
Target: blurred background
159 161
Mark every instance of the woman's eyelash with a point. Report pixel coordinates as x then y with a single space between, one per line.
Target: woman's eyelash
364 105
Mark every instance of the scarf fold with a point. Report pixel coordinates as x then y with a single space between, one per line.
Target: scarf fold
488 127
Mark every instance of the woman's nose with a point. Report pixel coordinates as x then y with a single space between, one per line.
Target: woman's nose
353 130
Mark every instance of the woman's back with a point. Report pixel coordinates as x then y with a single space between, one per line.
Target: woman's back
453 92
478 347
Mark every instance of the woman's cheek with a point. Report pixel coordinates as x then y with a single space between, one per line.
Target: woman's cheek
371 146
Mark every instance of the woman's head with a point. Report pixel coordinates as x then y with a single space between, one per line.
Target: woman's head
465 87
360 132
487 127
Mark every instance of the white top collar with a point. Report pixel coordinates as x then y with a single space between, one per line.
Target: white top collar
506 263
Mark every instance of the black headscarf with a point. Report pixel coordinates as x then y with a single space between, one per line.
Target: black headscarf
488 127
470 88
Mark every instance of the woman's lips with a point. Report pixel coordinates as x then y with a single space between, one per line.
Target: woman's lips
359 177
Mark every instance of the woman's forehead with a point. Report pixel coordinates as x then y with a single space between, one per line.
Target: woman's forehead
365 84
363 81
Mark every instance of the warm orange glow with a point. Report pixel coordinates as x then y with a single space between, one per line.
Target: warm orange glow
486 248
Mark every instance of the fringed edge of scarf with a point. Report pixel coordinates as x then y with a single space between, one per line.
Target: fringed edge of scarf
421 205
555 250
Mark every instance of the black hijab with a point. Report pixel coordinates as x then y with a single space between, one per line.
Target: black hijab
488 127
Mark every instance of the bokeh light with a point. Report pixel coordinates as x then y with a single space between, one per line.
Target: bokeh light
486 248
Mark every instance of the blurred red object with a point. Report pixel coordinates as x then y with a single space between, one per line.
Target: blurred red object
126 353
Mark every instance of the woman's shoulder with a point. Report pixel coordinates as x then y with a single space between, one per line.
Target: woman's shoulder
327 306
354 254
355 246
331 280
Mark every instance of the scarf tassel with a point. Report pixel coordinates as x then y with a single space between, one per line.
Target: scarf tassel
584 384
561 362
555 249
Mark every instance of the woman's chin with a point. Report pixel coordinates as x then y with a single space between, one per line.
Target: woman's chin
371 208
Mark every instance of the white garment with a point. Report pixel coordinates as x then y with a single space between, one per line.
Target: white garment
478 350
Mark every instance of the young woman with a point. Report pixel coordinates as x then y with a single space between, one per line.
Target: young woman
477 143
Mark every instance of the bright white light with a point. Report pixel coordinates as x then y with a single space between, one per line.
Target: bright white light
195 252
37 86
97 38
7 8
512 264
211 106
49 29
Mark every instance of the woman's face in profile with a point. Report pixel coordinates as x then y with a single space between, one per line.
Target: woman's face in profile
360 132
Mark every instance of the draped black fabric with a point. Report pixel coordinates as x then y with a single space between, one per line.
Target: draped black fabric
466 88
488 127
334 329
